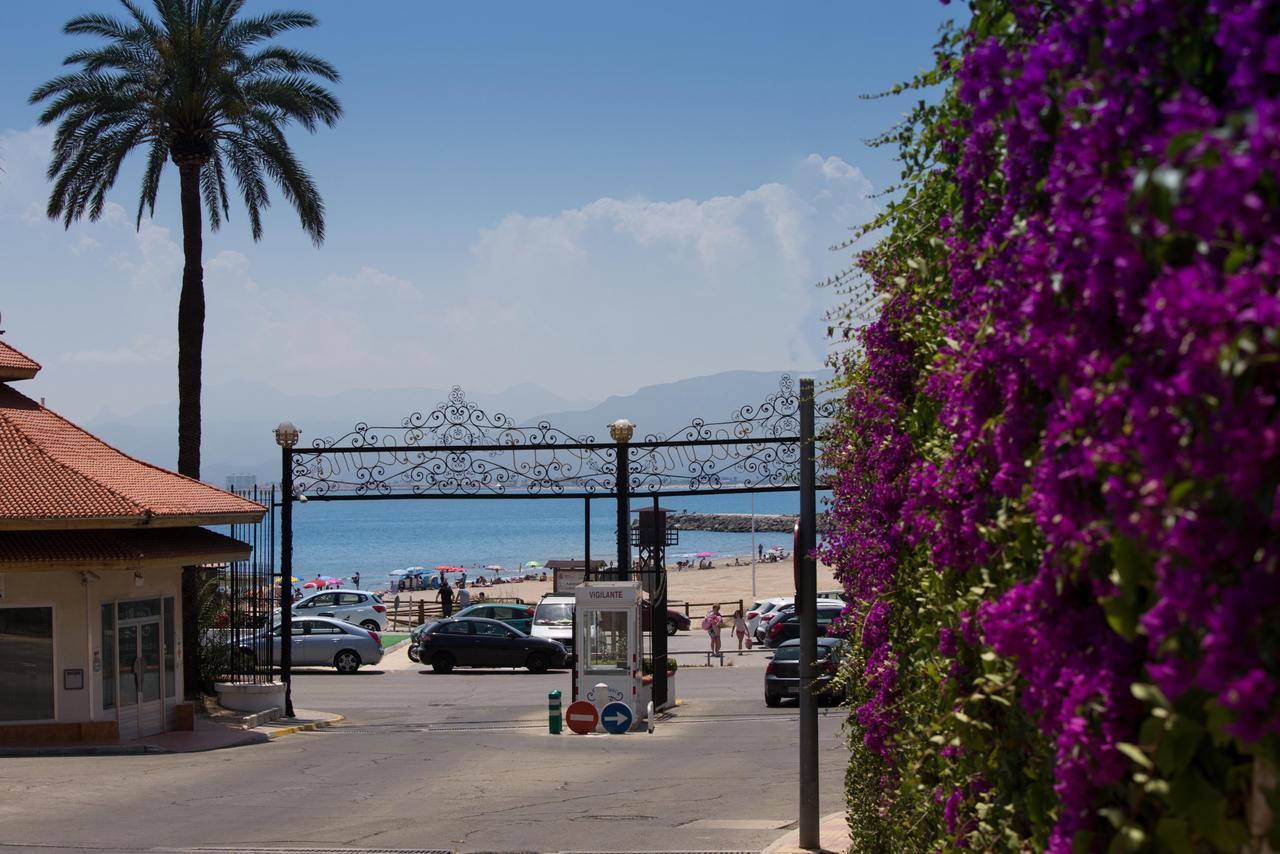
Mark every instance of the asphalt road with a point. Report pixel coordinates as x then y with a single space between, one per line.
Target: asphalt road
460 761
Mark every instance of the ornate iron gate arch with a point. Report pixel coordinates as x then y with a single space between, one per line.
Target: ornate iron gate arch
458 451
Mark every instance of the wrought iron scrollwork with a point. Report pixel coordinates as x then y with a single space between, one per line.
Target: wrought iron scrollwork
457 449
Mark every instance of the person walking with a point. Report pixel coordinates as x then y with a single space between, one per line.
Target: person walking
445 598
464 595
740 629
712 623
356 579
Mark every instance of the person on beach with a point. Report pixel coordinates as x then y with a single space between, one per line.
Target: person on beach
464 595
445 598
355 579
712 623
740 629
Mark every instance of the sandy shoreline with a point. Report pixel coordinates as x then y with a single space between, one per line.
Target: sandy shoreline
725 583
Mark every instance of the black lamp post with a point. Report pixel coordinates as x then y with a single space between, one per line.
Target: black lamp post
286 437
622 430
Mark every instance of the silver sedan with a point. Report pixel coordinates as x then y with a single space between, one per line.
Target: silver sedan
319 641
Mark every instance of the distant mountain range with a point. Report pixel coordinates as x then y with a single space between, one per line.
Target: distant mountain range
239 417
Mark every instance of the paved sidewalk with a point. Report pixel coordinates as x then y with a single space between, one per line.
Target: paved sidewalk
209 734
833 833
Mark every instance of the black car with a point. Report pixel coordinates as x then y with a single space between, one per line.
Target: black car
782 675
787 627
479 642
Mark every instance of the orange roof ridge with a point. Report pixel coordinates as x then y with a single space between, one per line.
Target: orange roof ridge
15 365
57 474
36 447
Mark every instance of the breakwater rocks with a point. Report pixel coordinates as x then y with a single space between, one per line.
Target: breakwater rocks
733 523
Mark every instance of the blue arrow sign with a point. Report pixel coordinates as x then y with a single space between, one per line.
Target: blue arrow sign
617 718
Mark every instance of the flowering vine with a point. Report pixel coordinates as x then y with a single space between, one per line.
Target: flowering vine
1058 503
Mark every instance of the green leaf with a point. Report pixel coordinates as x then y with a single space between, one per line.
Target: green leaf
1134 752
1122 616
1174 836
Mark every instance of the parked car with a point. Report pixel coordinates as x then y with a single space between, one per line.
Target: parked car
787 627
758 609
361 607
553 618
676 620
785 609
782 674
318 641
514 614
478 642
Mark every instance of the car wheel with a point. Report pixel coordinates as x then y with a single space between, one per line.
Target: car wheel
538 662
371 626
672 626
413 653
347 661
772 700
442 662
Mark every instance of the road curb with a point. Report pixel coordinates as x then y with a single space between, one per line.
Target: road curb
833 834
310 726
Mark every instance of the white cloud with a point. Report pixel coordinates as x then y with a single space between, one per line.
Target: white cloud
589 301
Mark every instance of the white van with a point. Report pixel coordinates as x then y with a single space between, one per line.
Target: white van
553 618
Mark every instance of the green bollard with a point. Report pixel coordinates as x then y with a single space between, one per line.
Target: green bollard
553 712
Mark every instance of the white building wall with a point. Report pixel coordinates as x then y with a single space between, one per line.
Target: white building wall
77 630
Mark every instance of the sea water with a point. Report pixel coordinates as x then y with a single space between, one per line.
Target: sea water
374 537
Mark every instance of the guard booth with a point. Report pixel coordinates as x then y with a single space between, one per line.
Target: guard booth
607 644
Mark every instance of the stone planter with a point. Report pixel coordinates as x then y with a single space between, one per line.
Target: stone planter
250 698
646 683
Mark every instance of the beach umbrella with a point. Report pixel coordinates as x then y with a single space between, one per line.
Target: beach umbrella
705 554
399 572
313 584
292 579
533 564
494 568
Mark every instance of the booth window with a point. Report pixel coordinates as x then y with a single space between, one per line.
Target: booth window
26 646
607 641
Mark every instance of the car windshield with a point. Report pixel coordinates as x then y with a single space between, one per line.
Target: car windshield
554 614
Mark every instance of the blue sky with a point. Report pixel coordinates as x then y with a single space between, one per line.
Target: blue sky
518 192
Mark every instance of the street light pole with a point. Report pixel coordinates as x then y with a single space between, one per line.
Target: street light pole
286 437
622 430
753 547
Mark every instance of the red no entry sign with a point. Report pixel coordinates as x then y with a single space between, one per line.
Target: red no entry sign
582 717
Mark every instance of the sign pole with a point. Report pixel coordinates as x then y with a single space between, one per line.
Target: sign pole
807 609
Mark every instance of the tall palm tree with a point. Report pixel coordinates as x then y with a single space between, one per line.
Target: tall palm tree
197 87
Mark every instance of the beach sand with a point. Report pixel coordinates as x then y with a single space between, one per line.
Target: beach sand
725 583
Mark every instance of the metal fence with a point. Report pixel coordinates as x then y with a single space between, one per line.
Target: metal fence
244 597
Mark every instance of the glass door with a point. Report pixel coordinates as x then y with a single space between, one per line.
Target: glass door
130 682
140 668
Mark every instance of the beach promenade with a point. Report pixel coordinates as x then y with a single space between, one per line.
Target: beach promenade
723 583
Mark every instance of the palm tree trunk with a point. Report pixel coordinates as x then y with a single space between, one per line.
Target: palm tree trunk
190 346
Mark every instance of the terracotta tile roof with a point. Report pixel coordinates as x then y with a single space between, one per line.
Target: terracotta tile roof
29 551
55 475
16 366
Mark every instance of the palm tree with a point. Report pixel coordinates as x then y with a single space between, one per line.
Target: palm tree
195 87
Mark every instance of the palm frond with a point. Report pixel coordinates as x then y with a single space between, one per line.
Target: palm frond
151 178
187 80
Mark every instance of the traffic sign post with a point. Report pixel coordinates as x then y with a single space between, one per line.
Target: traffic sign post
582 717
617 718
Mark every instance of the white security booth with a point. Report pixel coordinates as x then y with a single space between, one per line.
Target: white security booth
607 644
